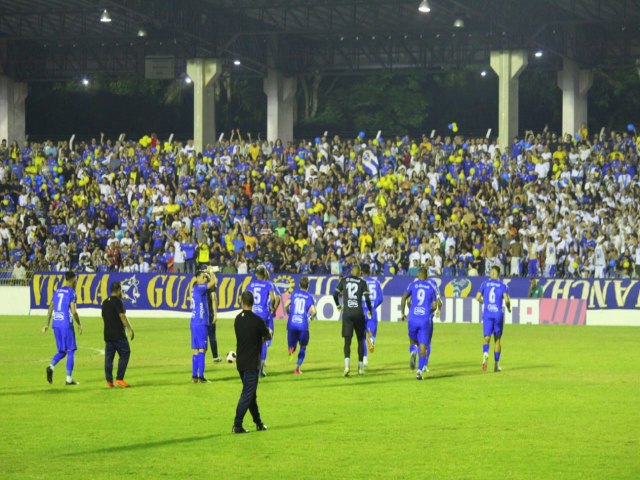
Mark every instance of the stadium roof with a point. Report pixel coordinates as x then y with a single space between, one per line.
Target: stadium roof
60 39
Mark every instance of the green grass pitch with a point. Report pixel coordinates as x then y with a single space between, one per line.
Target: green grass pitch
565 406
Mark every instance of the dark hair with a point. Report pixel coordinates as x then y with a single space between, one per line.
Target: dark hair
261 272
247 298
304 283
69 276
366 269
496 268
115 287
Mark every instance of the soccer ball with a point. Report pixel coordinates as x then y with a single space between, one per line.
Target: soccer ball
231 357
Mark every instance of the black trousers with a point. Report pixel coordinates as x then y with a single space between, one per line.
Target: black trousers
248 398
213 342
124 352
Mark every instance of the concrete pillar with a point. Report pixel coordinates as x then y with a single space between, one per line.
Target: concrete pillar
281 95
203 72
12 110
575 85
508 65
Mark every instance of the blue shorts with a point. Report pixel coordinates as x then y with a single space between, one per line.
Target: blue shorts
65 339
421 332
493 324
199 336
372 324
298 336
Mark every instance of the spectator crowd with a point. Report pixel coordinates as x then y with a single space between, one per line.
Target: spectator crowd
548 205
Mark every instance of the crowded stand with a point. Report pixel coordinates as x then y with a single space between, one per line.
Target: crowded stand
548 205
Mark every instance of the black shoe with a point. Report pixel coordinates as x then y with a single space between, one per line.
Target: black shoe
261 428
72 382
263 373
194 379
49 374
203 380
239 430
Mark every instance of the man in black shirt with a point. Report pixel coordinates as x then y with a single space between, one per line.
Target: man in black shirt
251 332
354 291
212 300
115 322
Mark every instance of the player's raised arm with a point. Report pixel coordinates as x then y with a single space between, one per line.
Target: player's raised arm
76 317
213 281
49 313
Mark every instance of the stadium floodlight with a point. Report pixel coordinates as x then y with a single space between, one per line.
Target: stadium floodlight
85 81
105 17
142 32
458 23
538 54
424 7
187 79
237 62
483 73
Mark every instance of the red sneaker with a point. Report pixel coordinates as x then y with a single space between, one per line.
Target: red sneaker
110 384
297 371
122 383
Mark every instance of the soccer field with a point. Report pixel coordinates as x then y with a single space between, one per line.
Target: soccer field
565 406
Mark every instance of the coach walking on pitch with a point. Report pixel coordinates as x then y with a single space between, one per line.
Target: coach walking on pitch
115 321
251 332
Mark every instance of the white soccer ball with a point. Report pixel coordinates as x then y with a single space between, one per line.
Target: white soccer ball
231 357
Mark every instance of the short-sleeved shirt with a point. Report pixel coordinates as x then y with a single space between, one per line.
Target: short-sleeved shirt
301 302
112 307
422 296
250 331
199 305
261 297
62 300
354 292
493 292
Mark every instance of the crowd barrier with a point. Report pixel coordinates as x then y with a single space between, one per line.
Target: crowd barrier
564 301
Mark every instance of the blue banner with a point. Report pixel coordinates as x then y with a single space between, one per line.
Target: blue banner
157 291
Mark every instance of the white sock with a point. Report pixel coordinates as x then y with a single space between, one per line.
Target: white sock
347 361
69 379
52 367
360 365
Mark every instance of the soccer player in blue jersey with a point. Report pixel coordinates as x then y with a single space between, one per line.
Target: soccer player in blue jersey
493 293
265 303
423 302
300 308
205 281
272 314
436 315
63 312
375 293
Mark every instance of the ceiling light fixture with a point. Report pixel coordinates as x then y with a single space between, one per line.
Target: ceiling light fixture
105 17
237 62
187 79
538 54
424 7
458 23
85 81
142 32
483 73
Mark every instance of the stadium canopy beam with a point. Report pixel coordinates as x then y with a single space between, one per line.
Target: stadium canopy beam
508 65
203 73
575 85
12 109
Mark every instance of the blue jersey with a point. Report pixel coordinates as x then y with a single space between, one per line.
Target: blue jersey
375 294
199 305
493 292
261 298
422 296
435 286
62 300
301 302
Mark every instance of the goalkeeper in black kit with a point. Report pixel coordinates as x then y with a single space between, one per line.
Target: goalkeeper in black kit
354 293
